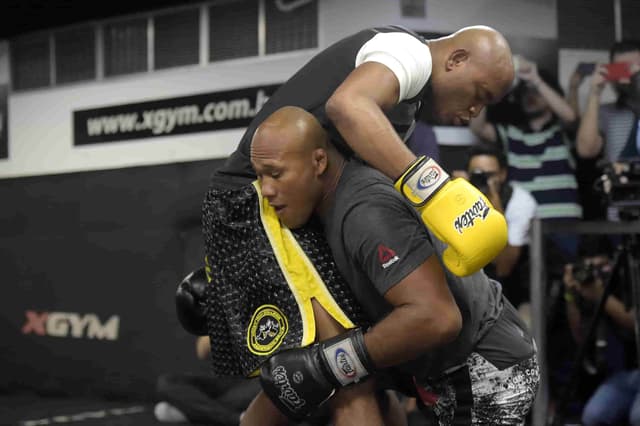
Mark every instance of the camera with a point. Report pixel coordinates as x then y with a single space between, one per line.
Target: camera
583 272
480 180
620 184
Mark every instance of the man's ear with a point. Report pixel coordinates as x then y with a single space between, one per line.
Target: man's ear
457 58
320 160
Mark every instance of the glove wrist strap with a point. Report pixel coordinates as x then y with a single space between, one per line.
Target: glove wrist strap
422 179
347 358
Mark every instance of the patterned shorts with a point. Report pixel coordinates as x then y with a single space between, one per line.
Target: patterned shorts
481 394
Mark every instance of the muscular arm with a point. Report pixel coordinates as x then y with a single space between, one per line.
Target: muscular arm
356 109
356 404
425 315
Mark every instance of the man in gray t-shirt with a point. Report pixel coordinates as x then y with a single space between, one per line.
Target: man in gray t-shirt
456 342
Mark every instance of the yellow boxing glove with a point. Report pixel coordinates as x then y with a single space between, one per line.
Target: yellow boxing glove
457 213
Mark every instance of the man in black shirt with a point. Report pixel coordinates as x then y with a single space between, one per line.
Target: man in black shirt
457 340
365 90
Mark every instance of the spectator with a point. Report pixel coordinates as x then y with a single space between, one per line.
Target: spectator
538 147
202 398
487 170
617 399
612 128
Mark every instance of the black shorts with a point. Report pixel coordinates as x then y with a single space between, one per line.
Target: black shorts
251 309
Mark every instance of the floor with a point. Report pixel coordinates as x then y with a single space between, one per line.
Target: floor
34 410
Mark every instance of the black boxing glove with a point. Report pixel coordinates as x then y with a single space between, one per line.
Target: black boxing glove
299 380
190 299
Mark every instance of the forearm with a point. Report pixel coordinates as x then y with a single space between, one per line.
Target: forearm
356 404
369 133
588 139
573 99
408 332
557 103
262 412
619 313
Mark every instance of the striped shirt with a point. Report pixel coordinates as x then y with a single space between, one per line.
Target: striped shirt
615 125
541 162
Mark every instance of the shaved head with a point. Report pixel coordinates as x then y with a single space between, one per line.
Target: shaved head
289 128
290 153
488 49
472 68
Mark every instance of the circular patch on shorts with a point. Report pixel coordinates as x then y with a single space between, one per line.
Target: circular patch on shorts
267 329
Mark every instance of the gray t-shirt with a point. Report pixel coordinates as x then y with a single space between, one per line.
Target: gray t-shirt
377 239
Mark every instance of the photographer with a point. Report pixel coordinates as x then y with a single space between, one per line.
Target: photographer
617 399
612 128
487 170
536 138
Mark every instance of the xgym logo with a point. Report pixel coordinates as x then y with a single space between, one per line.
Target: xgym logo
70 324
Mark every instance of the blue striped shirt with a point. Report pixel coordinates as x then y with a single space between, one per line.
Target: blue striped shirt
541 162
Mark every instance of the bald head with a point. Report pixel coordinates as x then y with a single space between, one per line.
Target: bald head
488 49
471 69
289 129
290 153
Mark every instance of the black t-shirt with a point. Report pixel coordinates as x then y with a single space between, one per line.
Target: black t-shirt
377 239
312 86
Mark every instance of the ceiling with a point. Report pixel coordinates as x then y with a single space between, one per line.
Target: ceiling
25 16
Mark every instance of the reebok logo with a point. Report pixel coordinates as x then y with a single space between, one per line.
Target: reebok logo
386 256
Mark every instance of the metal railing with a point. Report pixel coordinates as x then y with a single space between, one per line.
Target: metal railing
538 296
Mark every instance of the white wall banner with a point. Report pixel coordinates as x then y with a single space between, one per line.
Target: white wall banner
230 109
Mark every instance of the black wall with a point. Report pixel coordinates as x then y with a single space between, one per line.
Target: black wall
109 243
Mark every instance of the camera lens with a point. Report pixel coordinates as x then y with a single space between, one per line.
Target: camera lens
583 272
478 178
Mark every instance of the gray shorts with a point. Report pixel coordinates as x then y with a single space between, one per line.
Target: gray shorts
481 394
